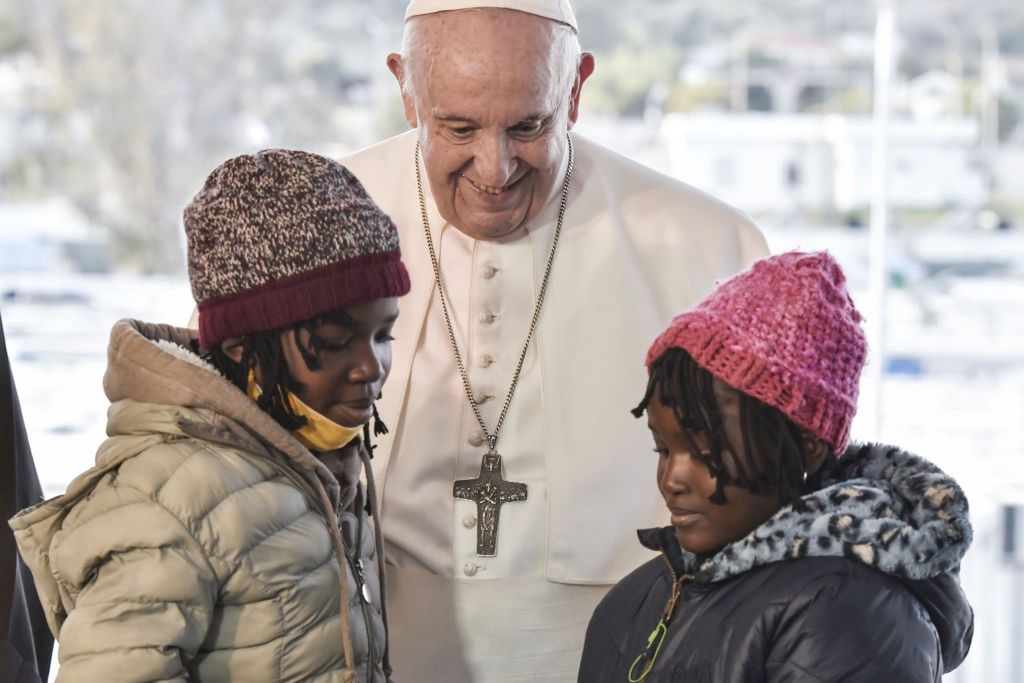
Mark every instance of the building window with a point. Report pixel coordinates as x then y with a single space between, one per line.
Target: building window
793 175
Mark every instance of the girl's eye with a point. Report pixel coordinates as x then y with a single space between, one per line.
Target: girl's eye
385 338
318 342
335 346
702 456
663 452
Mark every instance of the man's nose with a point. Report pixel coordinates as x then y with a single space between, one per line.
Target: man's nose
495 161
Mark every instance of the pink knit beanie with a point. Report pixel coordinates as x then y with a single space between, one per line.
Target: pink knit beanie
785 332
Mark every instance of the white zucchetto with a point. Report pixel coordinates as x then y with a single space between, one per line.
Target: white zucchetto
556 10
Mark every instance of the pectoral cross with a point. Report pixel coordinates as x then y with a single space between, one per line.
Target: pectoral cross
489 491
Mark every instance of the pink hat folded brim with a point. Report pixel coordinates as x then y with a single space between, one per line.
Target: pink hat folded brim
734 358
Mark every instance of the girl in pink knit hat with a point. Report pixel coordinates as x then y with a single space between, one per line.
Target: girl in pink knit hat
791 554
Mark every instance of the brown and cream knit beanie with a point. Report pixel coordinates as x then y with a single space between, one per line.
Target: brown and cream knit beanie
282 236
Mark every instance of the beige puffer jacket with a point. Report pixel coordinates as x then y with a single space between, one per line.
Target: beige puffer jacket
203 544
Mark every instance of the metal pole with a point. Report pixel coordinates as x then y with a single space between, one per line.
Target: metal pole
1013 553
884 30
740 74
990 69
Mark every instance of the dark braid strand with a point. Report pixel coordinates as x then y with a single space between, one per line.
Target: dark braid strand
774 462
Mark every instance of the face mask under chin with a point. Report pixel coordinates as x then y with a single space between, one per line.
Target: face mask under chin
320 433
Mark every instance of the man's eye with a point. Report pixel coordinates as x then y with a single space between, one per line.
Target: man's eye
461 131
531 128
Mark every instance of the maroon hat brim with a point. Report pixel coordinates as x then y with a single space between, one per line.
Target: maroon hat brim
289 300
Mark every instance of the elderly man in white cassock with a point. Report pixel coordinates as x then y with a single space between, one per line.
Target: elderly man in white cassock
543 265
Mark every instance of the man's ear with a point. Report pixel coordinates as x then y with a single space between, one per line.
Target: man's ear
586 68
398 68
232 348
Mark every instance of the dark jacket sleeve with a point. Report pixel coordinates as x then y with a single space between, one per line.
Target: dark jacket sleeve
620 624
25 640
600 652
861 626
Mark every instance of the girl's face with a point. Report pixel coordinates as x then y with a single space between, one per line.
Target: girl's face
686 484
354 362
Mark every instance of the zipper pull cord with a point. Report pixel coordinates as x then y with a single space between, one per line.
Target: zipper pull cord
644 662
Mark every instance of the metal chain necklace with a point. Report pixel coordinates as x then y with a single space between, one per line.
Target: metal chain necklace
490 490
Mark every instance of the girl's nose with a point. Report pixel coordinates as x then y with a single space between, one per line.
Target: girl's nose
368 367
679 473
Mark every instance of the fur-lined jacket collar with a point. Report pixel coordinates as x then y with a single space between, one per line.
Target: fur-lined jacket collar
882 506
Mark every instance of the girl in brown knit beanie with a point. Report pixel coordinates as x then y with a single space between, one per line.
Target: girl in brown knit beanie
224 534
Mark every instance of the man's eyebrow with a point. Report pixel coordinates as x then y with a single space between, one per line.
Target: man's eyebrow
455 118
535 117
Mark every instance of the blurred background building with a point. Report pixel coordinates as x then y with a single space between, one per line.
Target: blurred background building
112 114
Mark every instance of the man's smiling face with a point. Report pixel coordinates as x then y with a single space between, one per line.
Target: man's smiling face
493 98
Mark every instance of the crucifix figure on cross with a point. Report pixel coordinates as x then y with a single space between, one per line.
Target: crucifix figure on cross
489 491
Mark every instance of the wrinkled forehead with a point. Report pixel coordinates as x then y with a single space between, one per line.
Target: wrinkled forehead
493 42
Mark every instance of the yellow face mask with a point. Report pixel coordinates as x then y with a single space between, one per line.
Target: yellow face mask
319 434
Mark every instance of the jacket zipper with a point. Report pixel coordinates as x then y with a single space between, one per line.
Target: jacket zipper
644 663
356 563
678 583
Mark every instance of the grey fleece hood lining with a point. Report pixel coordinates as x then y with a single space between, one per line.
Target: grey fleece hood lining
185 380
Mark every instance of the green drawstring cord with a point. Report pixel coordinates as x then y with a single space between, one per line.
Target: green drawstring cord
658 634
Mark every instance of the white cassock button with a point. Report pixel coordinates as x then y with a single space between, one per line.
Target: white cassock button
476 439
469 569
489 271
485 360
469 521
486 317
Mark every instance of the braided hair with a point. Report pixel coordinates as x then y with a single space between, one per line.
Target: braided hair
264 349
775 461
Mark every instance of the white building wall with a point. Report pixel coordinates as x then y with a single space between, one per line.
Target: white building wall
749 160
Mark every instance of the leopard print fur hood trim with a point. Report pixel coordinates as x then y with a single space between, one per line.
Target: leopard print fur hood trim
885 507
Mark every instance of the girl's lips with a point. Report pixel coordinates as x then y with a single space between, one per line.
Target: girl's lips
358 404
684 517
352 414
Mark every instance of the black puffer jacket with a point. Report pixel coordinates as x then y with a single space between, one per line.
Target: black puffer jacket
860 587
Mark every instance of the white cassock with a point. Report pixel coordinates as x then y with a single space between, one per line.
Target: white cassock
636 248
